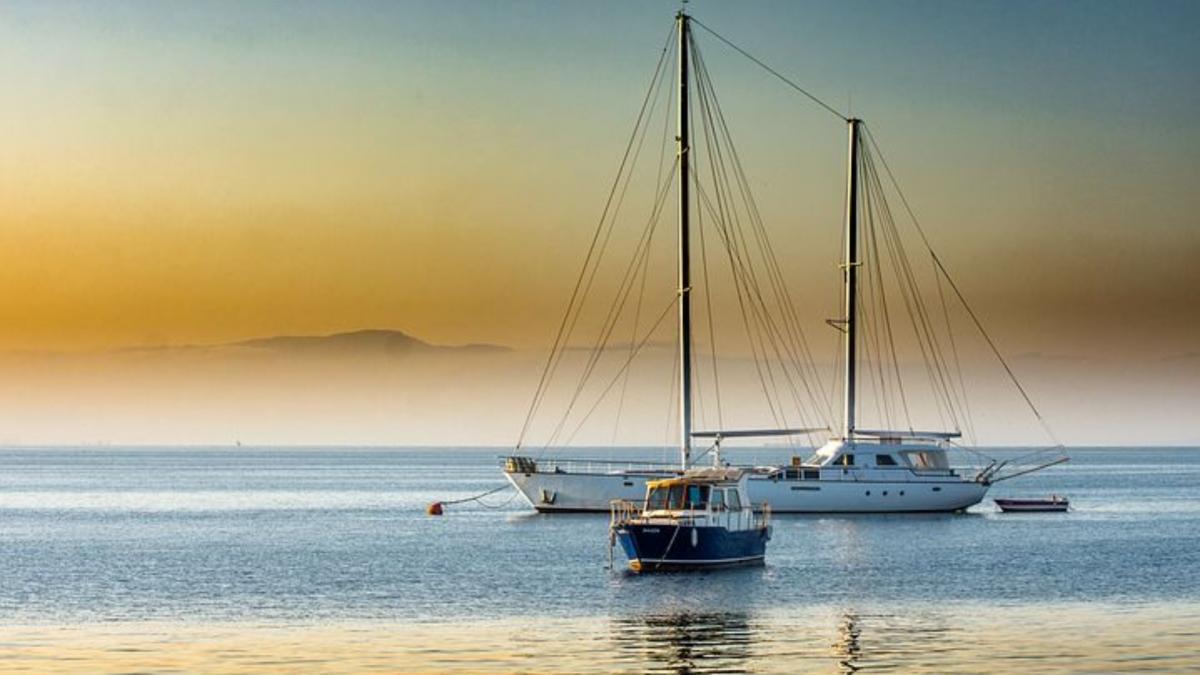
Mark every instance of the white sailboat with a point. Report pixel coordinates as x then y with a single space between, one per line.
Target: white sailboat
857 470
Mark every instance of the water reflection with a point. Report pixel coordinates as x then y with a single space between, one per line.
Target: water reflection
808 638
686 642
847 649
805 638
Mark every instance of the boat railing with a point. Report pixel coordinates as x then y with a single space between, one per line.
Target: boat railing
763 516
754 517
515 464
622 511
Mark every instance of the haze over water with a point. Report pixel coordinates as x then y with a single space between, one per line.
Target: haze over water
237 558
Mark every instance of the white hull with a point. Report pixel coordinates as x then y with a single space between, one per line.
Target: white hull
849 492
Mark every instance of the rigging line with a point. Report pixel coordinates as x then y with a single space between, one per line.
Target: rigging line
775 275
764 330
757 324
742 298
624 367
891 338
612 215
719 215
622 296
721 183
667 136
700 226
867 345
962 386
658 180
867 312
611 222
732 255
637 313
866 351
996 350
614 309
712 333
551 361
610 321
942 268
877 292
906 295
698 409
754 329
877 208
645 259
910 292
771 70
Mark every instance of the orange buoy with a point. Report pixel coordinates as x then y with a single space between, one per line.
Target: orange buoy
434 509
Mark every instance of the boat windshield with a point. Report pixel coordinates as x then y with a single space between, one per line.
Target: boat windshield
677 497
657 499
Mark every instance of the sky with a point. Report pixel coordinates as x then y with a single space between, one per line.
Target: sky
201 173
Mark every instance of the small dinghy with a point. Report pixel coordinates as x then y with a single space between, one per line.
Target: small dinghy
699 520
1051 503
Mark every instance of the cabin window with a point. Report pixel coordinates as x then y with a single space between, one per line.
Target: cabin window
791 474
677 495
718 500
697 497
885 460
928 460
657 500
811 474
732 499
846 460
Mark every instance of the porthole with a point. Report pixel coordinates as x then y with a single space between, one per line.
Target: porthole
868 493
902 493
885 493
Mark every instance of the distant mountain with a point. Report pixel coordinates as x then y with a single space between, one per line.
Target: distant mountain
371 341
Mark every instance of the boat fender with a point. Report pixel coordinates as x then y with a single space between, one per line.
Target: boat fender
695 537
434 509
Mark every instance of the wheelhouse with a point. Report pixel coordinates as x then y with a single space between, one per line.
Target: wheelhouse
914 451
705 490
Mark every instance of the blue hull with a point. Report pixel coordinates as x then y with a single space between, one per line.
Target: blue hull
653 548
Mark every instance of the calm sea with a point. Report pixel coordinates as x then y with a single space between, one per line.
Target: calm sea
239 559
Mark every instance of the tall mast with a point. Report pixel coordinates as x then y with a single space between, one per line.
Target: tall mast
850 280
683 147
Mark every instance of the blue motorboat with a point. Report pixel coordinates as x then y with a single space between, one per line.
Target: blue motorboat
698 520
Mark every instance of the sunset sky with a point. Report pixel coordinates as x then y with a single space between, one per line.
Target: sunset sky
200 173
